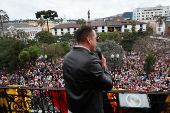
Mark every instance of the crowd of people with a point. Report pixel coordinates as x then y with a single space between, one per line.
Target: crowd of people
130 76
42 74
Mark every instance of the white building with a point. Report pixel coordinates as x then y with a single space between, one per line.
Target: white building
115 24
149 12
29 29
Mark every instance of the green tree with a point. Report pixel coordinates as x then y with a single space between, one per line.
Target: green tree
108 48
32 42
128 40
108 36
45 37
22 35
34 53
66 48
3 18
149 61
24 56
81 22
68 36
15 34
161 20
43 48
9 51
41 22
48 15
149 30
53 51
133 25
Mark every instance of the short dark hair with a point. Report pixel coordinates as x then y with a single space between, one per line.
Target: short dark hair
83 32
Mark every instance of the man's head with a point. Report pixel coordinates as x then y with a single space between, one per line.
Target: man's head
86 36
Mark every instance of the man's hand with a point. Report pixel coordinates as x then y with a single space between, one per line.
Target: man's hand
103 61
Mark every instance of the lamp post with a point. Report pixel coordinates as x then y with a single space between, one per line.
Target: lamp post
113 58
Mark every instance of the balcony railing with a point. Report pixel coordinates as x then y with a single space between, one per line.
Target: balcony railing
53 100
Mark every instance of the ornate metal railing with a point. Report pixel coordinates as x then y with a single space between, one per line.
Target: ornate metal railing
53 100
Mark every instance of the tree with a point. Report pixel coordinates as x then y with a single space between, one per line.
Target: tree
32 42
22 35
43 48
128 40
3 18
81 22
149 61
9 51
47 15
54 50
45 37
109 47
34 53
149 30
108 36
15 34
41 22
133 25
161 20
68 36
66 48
24 56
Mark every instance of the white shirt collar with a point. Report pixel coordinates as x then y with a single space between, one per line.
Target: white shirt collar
83 47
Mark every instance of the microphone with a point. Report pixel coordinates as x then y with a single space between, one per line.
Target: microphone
98 50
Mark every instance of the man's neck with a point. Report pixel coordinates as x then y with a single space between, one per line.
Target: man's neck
81 45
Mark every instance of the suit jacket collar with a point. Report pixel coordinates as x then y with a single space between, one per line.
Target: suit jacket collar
82 48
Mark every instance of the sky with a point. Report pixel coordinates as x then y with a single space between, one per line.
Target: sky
75 9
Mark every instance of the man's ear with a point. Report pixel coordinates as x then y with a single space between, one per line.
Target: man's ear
88 40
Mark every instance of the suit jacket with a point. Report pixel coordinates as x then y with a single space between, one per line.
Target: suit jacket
85 80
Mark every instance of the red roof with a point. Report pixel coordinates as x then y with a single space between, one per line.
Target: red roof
116 21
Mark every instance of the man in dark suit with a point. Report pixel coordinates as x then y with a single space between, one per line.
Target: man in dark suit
85 75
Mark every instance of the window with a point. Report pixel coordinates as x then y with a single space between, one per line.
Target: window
74 29
61 29
68 29
102 30
141 25
125 26
159 29
166 11
159 25
102 27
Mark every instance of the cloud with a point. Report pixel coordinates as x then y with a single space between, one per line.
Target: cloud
74 9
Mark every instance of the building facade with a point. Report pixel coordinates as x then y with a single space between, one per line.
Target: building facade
149 12
167 29
115 24
13 27
150 15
